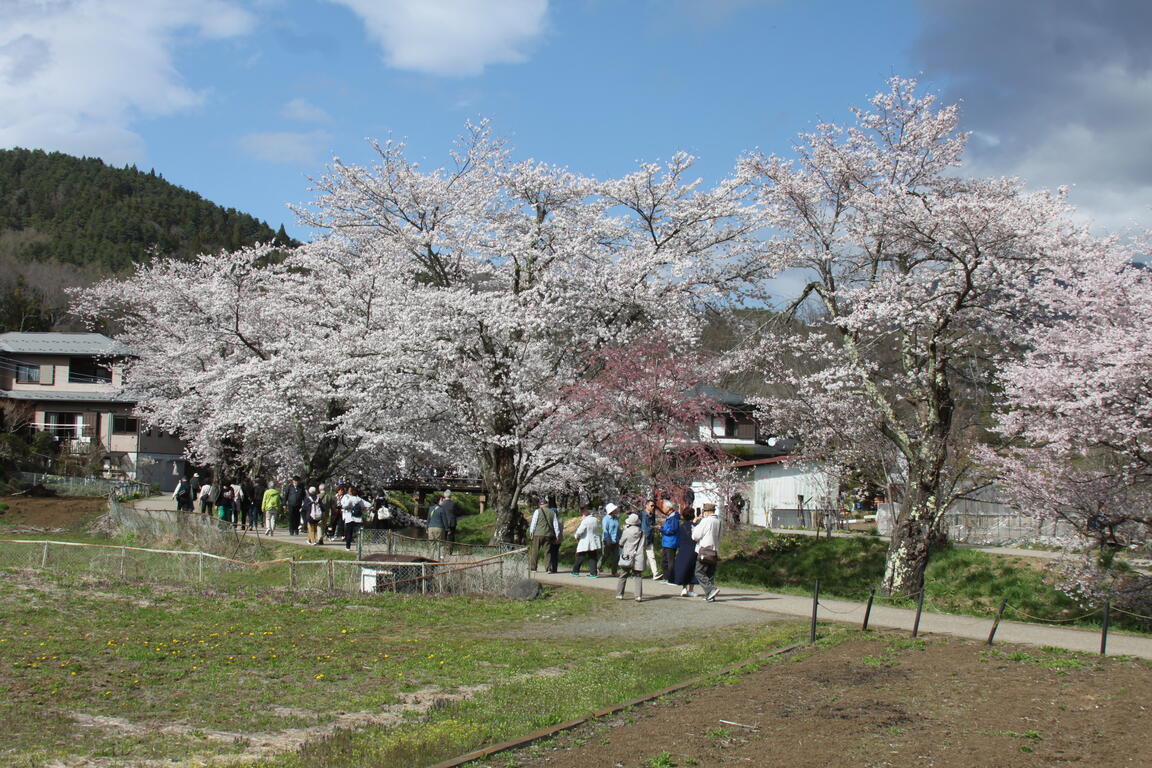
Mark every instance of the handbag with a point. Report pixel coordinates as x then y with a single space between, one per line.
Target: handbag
708 555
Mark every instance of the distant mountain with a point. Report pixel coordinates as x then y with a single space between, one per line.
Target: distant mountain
68 220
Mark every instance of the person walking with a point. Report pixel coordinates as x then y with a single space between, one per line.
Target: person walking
706 534
352 507
684 567
648 525
226 504
587 543
257 511
631 557
183 494
293 503
270 506
207 497
610 539
669 537
450 513
314 516
246 501
543 529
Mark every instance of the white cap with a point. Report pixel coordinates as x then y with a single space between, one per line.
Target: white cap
609 508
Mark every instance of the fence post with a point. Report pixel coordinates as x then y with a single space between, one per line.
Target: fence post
292 574
44 558
919 610
815 605
123 559
996 622
200 568
1104 631
868 608
331 577
423 579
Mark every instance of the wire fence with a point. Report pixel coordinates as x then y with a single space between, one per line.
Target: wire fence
212 552
67 485
488 576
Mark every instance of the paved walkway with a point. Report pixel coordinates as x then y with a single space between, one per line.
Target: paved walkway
848 612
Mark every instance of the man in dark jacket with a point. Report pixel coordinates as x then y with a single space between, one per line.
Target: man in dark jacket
293 501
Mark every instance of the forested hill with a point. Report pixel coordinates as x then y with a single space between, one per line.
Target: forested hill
80 211
67 221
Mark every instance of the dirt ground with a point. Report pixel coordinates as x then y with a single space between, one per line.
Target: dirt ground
873 702
40 515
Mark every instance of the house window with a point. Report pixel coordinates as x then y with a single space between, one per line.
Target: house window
64 425
87 370
125 425
721 426
27 373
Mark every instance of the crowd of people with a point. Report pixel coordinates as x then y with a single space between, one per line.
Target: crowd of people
688 553
624 547
256 504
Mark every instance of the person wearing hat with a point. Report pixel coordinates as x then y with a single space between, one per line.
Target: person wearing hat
610 539
631 557
706 534
543 530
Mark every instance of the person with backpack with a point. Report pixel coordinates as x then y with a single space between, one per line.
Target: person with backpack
314 516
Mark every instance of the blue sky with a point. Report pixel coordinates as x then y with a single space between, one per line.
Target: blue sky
243 100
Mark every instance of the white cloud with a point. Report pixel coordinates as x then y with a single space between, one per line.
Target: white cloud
451 37
76 74
286 148
305 112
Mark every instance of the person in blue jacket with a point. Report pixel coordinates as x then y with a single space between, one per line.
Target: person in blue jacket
610 539
670 536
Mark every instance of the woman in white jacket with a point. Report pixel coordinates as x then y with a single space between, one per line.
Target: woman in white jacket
587 543
631 557
706 534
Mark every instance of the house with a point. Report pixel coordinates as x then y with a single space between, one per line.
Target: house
772 487
71 386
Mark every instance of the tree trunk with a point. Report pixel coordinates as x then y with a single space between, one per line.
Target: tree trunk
498 466
915 534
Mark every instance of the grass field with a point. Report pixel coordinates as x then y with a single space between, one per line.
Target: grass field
128 672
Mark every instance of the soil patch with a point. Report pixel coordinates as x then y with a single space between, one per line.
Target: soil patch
883 701
49 514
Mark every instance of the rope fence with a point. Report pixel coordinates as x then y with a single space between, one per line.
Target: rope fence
1105 611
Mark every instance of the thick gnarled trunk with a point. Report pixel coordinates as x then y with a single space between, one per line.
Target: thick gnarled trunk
498 466
915 535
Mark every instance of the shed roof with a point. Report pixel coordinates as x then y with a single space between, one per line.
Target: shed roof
48 343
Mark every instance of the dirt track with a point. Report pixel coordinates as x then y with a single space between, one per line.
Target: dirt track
874 702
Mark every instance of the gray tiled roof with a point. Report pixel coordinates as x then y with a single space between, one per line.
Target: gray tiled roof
58 396
21 342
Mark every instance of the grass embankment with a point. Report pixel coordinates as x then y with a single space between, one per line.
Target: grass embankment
129 672
958 580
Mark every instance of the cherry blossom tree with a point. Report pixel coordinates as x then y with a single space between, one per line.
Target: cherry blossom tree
245 356
512 272
1077 418
920 280
648 407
